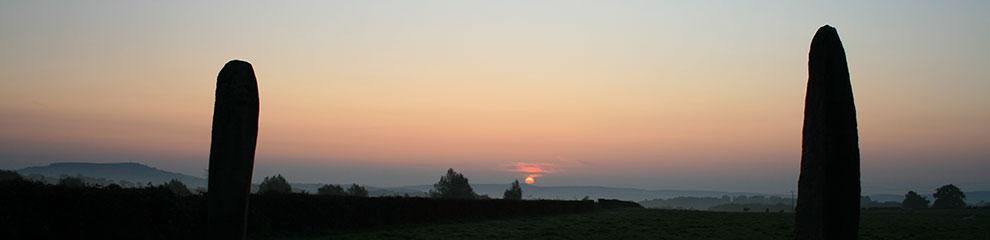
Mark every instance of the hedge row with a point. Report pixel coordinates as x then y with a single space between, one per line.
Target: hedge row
31 210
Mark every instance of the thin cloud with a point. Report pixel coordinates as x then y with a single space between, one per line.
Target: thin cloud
529 167
553 165
570 162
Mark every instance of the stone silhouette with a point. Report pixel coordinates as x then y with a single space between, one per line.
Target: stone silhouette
235 135
829 186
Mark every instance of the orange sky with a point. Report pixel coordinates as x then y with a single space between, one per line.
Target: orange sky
650 95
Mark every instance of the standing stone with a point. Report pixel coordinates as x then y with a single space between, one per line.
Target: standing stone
828 188
235 135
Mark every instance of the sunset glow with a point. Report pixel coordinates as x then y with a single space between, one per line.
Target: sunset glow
654 94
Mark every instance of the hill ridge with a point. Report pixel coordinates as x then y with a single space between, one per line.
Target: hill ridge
119 171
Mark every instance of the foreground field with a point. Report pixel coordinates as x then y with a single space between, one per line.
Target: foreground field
679 224
31 210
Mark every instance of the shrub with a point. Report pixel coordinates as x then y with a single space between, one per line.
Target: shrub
514 192
332 190
914 201
357 191
72 182
949 196
274 184
177 187
453 185
10 175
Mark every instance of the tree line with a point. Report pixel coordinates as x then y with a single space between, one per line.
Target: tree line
278 185
65 210
946 197
452 185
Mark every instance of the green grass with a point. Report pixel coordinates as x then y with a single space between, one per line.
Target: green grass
929 224
682 224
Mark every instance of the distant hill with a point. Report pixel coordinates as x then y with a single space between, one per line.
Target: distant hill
129 171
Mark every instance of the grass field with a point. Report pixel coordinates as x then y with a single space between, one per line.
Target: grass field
682 224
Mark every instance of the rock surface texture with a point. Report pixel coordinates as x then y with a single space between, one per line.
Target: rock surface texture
829 186
235 135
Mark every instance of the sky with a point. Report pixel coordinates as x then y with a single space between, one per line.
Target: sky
704 95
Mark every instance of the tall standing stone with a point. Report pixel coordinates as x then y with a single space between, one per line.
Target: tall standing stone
235 135
828 188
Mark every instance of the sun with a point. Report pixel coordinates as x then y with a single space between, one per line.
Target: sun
530 180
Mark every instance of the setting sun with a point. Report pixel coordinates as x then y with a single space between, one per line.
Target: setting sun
530 180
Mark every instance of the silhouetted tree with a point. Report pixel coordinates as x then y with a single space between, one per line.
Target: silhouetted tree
10 175
357 191
914 201
330 189
126 184
453 185
274 184
949 196
72 182
113 187
514 192
34 177
178 187
865 201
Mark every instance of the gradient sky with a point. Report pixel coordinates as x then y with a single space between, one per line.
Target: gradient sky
651 94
